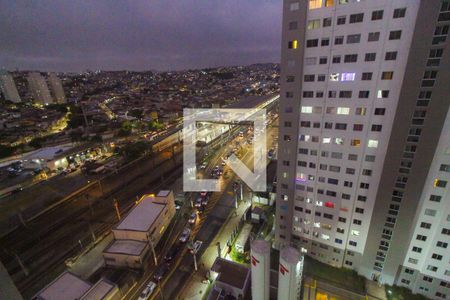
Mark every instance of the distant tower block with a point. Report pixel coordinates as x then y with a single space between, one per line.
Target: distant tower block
8 87
290 274
39 89
260 258
56 88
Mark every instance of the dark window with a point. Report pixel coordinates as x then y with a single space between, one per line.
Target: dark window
325 42
340 20
323 60
326 22
309 78
345 94
356 18
373 36
363 94
366 76
339 40
370 56
312 43
376 127
379 111
350 58
399 13
377 15
395 35
336 59
353 38
391 55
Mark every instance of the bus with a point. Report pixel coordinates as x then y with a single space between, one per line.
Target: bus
242 240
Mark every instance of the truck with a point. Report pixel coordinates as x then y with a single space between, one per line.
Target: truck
242 241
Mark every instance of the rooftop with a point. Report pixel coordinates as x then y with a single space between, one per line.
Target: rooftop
231 273
142 216
99 291
66 286
128 247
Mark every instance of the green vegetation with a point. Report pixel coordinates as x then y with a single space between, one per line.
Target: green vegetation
134 150
125 128
154 126
76 117
239 257
6 151
36 143
341 277
400 293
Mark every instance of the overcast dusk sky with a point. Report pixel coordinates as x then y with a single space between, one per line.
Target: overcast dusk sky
75 35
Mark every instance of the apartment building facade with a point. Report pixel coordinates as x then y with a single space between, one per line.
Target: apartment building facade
363 109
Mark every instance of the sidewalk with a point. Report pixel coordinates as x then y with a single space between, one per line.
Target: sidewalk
195 288
92 260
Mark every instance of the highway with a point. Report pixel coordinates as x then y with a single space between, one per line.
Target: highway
221 204
35 254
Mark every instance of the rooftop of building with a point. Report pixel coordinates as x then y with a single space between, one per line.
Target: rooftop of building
127 247
65 286
231 273
99 291
143 215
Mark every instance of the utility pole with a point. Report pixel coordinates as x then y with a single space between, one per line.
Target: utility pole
219 254
153 251
116 205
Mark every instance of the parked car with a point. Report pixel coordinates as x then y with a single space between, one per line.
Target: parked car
196 246
203 165
172 253
147 292
198 202
192 218
201 209
184 237
204 201
160 272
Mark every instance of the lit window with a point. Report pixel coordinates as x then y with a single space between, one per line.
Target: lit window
293 44
338 141
347 76
334 77
343 110
307 109
372 144
313 4
355 143
326 140
314 24
319 203
329 3
355 232
325 236
329 204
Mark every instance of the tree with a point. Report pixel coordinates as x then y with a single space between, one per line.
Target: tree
134 150
154 126
137 113
125 128
6 151
36 142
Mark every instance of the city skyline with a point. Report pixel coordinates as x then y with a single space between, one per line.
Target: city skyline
138 35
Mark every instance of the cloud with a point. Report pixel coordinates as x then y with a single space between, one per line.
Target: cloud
136 34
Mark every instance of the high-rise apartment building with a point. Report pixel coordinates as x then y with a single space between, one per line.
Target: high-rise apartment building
56 88
39 89
364 156
8 87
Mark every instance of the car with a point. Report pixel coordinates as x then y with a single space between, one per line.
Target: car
172 253
160 272
147 292
204 193
203 165
201 209
205 201
196 246
192 218
198 202
184 237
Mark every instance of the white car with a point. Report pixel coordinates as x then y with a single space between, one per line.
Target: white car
184 237
146 293
196 246
192 218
